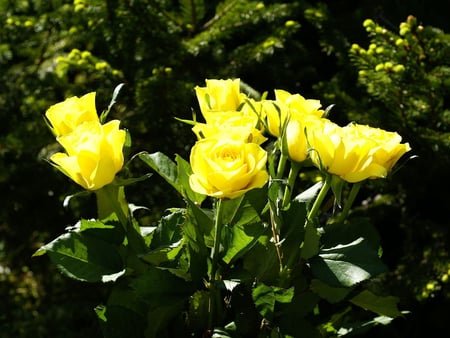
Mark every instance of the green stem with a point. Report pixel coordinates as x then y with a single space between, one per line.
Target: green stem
313 213
351 198
319 199
281 165
275 235
111 203
293 173
215 263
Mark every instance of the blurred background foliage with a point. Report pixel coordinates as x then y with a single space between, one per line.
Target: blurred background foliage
385 63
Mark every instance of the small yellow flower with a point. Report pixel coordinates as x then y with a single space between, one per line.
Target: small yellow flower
65 116
296 137
292 107
93 154
234 124
219 95
227 168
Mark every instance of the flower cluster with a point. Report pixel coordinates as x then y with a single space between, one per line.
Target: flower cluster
353 153
93 151
255 261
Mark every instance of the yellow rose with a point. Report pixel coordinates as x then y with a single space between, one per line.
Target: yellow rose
297 104
226 168
296 137
276 116
388 148
290 106
234 124
93 154
65 116
354 153
219 95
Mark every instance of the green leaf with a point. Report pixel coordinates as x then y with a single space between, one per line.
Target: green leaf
331 294
263 251
123 314
131 180
350 230
241 238
184 171
163 165
112 232
158 287
203 220
337 184
84 258
292 232
309 194
199 309
310 245
381 305
265 297
163 254
197 221
347 265
169 229
243 228
105 113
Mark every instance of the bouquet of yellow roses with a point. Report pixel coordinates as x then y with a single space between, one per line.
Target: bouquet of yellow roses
256 251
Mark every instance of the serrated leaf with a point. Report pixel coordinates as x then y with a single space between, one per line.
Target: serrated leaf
169 229
163 165
381 305
84 258
347 265
163 254
243 229
265 297
241 238
310 245
112 232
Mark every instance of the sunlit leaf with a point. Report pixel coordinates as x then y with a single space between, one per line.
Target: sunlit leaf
163 165
242 229
163 254
265 297
347 264
381 305
84 257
